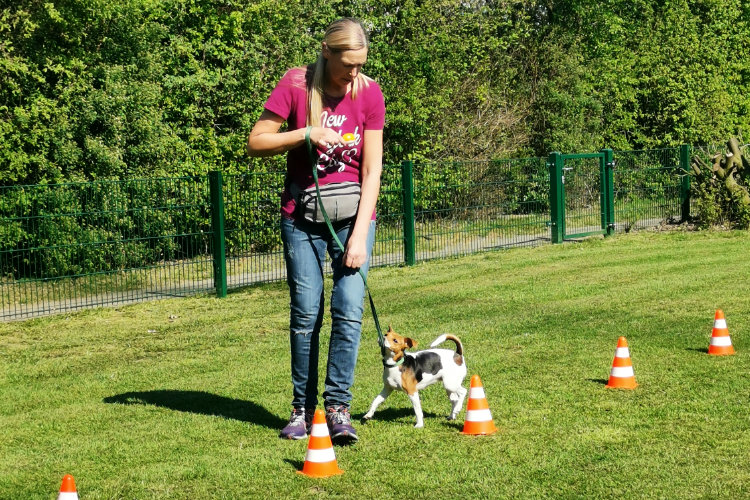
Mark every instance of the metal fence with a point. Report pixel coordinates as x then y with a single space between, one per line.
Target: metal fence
466 207
651 186
71 246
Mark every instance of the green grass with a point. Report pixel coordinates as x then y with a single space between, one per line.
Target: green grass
184 398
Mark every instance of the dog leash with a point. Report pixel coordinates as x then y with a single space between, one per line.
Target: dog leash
314 161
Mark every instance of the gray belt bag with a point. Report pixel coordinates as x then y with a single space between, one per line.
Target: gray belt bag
340 201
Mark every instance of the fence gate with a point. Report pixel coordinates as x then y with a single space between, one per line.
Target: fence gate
581 195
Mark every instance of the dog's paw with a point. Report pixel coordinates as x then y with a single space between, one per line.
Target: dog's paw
365 419
419 425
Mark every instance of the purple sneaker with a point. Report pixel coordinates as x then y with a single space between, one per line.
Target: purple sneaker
299 423
340 425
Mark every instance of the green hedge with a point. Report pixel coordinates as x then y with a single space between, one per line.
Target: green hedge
105 89
84 228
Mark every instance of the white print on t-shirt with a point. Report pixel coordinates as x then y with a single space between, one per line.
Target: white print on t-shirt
347 154
331 121
332 160
328 164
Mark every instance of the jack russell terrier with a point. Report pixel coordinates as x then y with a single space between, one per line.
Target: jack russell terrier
411 372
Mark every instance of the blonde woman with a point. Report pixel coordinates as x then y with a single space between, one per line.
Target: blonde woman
341 112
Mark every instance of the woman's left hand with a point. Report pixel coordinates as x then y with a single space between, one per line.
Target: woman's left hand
355 254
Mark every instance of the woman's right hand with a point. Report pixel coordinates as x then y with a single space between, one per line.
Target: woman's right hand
266 140
325 138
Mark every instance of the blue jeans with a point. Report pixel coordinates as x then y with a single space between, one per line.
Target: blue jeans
305 247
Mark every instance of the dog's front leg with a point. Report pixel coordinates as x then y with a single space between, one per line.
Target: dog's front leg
457 398
376 402
414 397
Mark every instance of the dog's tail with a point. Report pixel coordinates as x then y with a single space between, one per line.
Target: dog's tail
448 336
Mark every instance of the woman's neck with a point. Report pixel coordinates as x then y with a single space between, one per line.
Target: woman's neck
335 91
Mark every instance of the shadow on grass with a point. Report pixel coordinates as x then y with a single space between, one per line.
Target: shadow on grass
387 414
702 350
454 424
201 403
602 381
393 414
296 464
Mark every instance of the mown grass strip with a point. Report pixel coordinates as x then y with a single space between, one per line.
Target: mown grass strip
184 398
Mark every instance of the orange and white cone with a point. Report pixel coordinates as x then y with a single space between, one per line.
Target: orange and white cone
478 416
721 342
68 489
320 460
622 375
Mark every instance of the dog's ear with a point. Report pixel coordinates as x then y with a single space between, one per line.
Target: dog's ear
410 343
390 329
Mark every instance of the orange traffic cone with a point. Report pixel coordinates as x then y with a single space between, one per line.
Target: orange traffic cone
320 460
478 417
68 489
721 343
622 375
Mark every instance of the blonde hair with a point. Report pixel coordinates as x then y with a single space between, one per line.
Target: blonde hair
344 34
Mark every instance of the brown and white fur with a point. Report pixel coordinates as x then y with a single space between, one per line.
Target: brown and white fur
420 369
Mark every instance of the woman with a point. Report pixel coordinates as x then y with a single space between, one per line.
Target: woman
342 113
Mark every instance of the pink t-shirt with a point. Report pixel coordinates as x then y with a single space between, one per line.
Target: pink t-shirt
342 114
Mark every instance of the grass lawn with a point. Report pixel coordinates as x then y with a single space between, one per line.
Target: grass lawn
184 398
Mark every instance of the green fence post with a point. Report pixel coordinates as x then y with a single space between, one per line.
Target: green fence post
609 181
555 165
685 152
407 184
216 182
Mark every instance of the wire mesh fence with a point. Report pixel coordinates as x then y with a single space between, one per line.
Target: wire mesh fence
253 242
79 245
466 207
647 187
72 246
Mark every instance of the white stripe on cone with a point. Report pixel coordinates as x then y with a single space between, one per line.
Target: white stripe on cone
720 324
724 341
622 352
622 371
476 393
319 430
320 456
478 415
67 495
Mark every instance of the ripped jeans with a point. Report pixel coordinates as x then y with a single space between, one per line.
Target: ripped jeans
305 247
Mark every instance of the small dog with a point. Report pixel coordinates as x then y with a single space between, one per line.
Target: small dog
412 372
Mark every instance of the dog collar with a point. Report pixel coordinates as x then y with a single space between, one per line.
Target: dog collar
395 363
